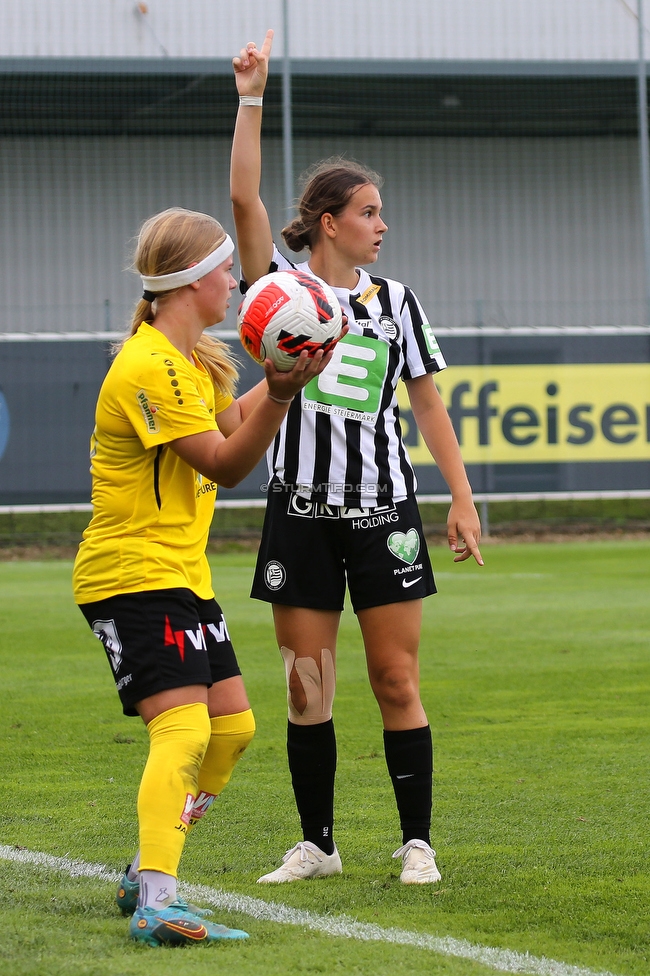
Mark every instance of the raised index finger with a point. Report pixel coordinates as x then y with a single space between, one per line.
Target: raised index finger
268 43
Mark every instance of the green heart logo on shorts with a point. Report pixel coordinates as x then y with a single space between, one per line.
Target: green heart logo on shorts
405 547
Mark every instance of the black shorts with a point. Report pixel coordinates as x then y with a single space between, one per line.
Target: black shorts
161 639
309 548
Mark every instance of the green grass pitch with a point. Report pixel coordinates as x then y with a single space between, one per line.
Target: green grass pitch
535 676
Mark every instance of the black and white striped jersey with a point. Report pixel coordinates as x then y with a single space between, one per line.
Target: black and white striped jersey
341 441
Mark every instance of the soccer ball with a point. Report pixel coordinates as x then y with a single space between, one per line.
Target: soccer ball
286 312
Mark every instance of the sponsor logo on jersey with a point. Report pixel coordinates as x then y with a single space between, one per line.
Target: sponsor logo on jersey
305 508
106 632
148 412
407 583
375 518
415 568
361 518
274 575
405 546
204 487
201 805
368 294
187 809
430 339
177 638
220 632
352 382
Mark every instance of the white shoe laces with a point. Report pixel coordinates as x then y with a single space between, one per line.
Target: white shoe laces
306 848
421 844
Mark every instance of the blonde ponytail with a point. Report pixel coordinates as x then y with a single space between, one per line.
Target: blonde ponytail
216 357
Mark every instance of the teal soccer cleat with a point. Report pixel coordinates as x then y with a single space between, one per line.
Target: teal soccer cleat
126 898
127 893
177 925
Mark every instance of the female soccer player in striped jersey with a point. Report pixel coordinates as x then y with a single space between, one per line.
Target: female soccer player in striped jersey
167 431
341 499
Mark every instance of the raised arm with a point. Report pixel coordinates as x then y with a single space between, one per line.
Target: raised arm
254 237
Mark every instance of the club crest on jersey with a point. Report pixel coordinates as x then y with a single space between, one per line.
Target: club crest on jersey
106 632
274 575
389 326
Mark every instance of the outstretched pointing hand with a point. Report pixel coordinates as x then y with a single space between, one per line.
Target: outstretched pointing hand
252 67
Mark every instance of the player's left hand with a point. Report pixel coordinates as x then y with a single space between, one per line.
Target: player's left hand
464 531
285 385
252 67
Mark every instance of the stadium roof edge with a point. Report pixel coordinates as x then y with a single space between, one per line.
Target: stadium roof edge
323 66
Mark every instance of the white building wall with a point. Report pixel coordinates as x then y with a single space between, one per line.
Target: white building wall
404 29
503 231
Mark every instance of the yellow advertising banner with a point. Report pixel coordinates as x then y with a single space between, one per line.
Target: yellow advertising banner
556 412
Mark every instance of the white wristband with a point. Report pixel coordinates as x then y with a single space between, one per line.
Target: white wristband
251 100
277 399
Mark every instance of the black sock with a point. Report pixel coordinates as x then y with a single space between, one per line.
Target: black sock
409 757
311 750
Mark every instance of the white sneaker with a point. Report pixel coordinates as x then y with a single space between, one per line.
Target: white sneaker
418 863
305 860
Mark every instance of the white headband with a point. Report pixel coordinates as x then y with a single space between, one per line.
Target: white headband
159 283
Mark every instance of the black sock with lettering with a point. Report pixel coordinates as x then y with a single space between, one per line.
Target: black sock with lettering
409 757
311 750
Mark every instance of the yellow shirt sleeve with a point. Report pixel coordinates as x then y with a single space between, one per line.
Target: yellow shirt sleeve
169 398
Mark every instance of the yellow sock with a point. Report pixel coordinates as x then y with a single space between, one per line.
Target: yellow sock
178 739
228 740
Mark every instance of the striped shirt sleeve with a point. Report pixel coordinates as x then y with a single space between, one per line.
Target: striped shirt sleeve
421 350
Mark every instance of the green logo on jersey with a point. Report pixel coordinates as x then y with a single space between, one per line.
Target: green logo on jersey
352 383
430 339
405 547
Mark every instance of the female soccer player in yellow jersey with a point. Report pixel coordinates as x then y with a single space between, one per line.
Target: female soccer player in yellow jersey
168 430
341 507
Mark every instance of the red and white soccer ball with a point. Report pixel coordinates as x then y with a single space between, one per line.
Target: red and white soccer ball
286 312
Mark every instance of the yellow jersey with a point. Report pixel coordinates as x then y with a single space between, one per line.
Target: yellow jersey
151 510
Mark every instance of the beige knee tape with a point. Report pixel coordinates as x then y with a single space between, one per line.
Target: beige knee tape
318 685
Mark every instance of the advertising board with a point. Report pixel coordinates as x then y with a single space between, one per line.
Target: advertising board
535 412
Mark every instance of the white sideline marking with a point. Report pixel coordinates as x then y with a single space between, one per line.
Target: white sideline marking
503 960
